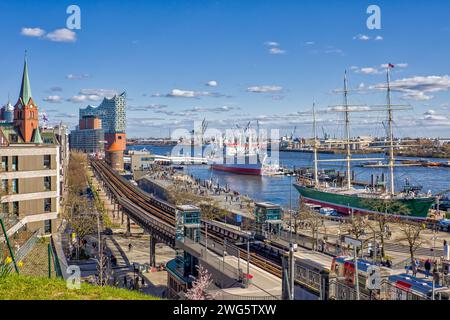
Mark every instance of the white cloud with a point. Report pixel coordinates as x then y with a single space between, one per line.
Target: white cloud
342 108
432 116
215 109
264 89
212 83
418 88
361 37
99 92
178 93
276 50
417 96
84 98
147 107
365 70
369 70
32 32
310 43
274 47
53 99
77 76
92 95
62 35
183 93
396 65
378 38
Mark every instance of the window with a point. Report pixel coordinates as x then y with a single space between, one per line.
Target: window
5 207
16 208
48 183
15 186
15 163
5 185
48 205
4 163
13 138
47 161
48 226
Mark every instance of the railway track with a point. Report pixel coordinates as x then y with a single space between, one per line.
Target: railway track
162 210
256 257
165 212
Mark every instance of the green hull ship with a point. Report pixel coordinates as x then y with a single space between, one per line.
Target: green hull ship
374 199
345 204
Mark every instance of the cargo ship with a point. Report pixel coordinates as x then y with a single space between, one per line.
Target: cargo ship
241 155
347 199
234 166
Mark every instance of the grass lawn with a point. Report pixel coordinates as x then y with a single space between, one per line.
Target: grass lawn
19 287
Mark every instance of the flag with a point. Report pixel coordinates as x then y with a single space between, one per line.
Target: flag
391 65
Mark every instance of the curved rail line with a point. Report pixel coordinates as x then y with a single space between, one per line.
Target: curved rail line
165 212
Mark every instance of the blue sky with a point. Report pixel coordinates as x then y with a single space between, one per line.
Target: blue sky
231 61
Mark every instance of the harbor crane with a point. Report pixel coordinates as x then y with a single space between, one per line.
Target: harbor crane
293 133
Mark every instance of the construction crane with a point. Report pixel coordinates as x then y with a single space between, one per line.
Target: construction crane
325 135
293 133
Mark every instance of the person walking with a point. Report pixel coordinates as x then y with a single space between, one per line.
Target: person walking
427 266
416 267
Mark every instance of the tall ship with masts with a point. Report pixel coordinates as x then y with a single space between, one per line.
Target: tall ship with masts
346 198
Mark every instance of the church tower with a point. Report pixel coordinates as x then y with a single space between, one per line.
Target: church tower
26 116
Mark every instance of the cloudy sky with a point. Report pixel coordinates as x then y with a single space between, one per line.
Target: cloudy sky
232 61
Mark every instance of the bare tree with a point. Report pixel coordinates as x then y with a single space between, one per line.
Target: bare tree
411 232
211 210
357 226
386 209
180 195
313 221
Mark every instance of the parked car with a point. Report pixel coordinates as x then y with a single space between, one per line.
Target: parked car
328 211
444 224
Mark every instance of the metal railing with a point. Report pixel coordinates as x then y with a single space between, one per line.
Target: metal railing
25 249
338 290
222 295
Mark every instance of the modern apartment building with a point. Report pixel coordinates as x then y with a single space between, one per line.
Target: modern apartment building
32 165
30 184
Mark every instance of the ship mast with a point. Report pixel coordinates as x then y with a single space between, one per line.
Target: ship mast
390 133
316 171
347 133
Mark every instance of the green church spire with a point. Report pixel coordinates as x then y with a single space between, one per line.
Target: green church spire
37 138
25 89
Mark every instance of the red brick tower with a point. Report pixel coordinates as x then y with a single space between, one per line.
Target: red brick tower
26 116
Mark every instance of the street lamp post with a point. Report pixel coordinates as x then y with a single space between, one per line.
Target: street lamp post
248 262
356 273
206 239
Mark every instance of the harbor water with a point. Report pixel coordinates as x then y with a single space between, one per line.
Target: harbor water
279 190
